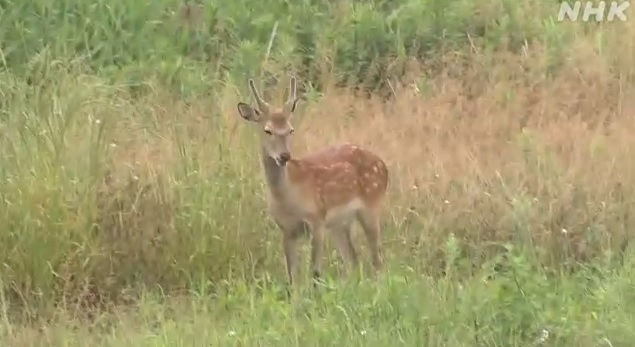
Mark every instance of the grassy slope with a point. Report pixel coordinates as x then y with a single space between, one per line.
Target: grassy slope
583 310
510 173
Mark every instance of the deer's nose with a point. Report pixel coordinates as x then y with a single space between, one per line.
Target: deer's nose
285 157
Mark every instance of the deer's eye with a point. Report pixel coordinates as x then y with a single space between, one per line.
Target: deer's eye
268 132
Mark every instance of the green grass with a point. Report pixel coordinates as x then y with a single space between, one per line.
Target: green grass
591 308
132 208
357 42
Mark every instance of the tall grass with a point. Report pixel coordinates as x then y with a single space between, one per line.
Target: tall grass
178 41
127 172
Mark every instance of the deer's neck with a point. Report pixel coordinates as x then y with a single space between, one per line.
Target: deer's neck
276 176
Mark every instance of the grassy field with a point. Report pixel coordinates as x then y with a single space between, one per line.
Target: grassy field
133 209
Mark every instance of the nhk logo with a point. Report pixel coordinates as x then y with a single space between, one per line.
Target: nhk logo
601 11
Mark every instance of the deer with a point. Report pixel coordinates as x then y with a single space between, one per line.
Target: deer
328 189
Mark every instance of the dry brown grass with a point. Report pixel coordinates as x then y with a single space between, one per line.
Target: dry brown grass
485 149
497 150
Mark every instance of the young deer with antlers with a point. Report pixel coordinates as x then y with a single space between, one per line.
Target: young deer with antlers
329 189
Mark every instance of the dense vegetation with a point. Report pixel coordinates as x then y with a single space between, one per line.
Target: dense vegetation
133 209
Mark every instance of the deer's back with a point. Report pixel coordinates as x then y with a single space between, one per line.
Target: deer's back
340 177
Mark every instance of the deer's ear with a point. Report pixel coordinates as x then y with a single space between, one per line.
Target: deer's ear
248 113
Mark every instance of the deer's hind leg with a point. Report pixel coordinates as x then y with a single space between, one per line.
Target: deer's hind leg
368 217
341 234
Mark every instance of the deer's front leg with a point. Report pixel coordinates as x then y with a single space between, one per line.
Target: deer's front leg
317 248
290 245
292 231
